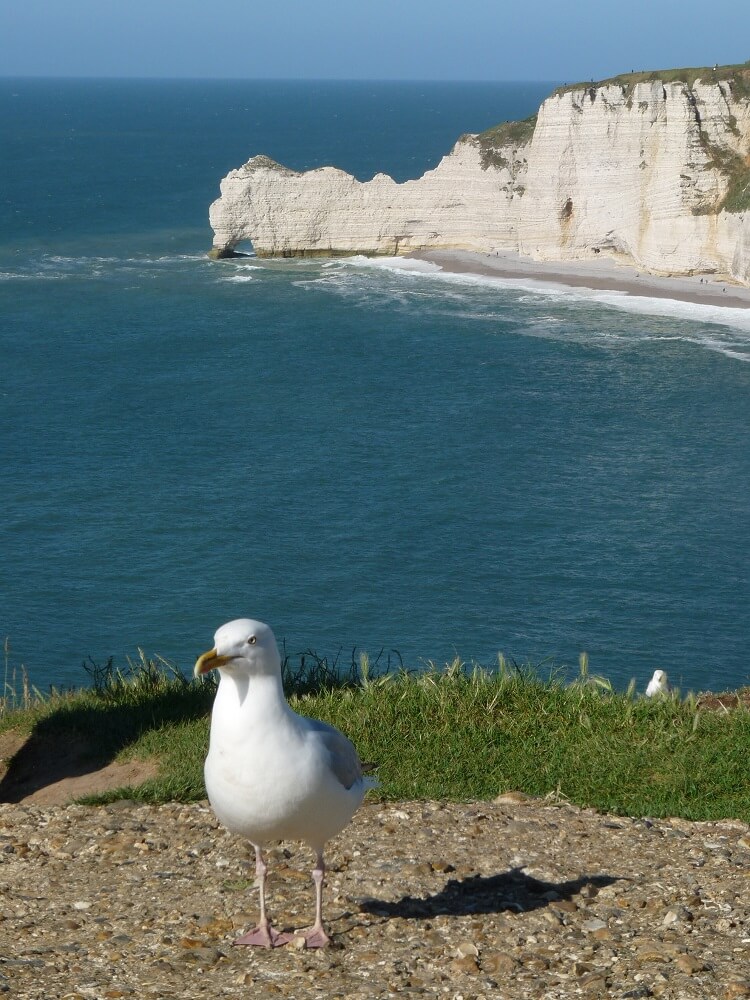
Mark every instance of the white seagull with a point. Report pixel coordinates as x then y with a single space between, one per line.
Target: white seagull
658 685
272 774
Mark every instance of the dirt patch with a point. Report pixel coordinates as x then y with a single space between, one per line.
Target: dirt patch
48 771
725 701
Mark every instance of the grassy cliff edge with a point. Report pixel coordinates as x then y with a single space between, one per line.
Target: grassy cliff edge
456 733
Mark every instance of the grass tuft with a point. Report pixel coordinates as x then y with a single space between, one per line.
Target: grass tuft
496 142
17 692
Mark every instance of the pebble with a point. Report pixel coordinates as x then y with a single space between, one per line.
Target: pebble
689 964
593 925
467 949
678 914
734 990
517 898
499 963
465 964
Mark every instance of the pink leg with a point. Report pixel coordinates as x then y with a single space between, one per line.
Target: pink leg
315 936
262 936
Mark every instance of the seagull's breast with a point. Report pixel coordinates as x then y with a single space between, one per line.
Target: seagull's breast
275 782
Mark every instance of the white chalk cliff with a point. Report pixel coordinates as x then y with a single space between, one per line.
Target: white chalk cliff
654 173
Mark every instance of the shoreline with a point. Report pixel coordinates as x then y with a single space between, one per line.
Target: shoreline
597 275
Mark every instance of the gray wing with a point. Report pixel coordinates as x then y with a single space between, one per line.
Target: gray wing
343 757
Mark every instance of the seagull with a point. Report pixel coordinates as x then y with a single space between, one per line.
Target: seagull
658 685
272 774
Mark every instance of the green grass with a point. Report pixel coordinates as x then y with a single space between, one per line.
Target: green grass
737 172
456 734
453 733
495 141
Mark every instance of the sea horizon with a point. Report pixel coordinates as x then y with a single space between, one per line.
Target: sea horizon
284 79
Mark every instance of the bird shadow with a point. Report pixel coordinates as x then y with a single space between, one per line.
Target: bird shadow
511 890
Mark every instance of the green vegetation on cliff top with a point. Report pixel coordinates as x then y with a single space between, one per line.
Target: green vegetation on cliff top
500 137
453 733
738 76
496 141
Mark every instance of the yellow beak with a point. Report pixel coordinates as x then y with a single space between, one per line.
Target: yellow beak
209 661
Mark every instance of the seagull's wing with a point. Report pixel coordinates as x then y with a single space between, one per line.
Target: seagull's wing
343 757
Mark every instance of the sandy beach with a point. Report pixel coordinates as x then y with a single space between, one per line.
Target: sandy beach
598 275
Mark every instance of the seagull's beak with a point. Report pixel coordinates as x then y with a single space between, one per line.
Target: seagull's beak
209 661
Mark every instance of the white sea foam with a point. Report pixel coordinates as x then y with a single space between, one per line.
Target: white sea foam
735 345
694 312
238 278
169 258
730 342
75 261
61 267
33 276
405 265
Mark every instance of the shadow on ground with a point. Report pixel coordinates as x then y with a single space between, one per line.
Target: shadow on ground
71 752
511 890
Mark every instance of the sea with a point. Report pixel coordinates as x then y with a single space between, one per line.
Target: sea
370 455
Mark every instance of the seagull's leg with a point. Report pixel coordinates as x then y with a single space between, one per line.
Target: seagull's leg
315 936
262 936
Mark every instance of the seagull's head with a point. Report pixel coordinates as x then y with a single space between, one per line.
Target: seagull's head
241 646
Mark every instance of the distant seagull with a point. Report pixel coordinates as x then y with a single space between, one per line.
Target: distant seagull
658 684
272 774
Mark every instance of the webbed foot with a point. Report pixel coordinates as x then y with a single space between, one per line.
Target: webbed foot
263 937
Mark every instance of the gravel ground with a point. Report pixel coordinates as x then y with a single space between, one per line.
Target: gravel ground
516 898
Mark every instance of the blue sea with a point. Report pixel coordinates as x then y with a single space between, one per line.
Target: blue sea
364 454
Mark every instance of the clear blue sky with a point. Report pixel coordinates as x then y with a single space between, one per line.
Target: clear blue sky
368 39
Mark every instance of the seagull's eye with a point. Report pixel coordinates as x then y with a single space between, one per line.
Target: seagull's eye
252 640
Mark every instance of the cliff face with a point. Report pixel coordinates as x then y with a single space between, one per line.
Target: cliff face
641 174
655 173
327 211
